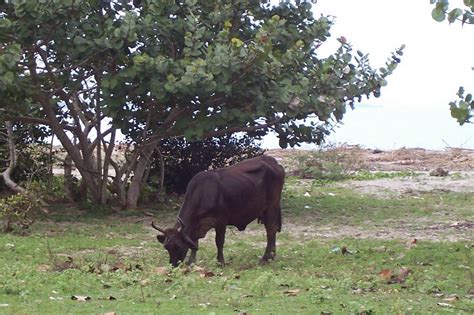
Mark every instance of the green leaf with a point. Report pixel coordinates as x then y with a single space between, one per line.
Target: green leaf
347 58
468 98
8 77
454 14
113 82
5 23
117 32
438 14
117 44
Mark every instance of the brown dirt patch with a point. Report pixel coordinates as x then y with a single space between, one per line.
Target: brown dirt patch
403 159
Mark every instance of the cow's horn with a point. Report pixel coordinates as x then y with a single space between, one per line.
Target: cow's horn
157 228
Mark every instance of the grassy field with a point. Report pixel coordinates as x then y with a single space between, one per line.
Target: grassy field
340 252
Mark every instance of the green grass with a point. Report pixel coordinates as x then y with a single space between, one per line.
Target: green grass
114 260
307 201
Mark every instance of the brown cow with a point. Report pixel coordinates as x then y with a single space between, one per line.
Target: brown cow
235 195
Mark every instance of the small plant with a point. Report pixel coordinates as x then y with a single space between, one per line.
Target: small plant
19 211
367 175
263 283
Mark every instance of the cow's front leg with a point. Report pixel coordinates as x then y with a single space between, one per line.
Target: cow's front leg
192 256
270 251
220 238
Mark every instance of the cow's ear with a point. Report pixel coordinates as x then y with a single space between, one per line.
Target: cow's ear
161 238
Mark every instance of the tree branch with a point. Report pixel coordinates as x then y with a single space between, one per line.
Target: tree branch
37 121
6 175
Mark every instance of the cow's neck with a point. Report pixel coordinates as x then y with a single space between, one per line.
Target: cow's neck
184 220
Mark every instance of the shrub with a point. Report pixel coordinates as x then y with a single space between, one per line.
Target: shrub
19 211
334 163
52 190
183 159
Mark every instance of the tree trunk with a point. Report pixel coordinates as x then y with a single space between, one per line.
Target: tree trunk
6 175
162 172
139 177
102 181
108 157
82 195
68 183
134 190
50 167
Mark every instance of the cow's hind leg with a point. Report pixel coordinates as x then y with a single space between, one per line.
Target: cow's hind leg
271 228
220 238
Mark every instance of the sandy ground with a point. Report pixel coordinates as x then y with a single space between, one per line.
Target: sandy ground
457 163
457 166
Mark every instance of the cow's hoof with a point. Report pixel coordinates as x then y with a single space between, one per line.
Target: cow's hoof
263 262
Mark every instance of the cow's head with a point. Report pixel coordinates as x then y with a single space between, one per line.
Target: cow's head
176 242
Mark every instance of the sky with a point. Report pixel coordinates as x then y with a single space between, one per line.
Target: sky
413 109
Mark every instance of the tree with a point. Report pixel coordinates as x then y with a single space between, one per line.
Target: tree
463 108
163 69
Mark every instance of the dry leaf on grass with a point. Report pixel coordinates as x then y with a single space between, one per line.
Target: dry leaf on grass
203 273
207 274
292 292
162 271
451 298
80 298
402 275
43 268
394 277
379 249
385 274
144 282
109 298
412 243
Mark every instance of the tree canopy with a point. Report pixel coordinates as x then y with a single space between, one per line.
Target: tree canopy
161 69
462 109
